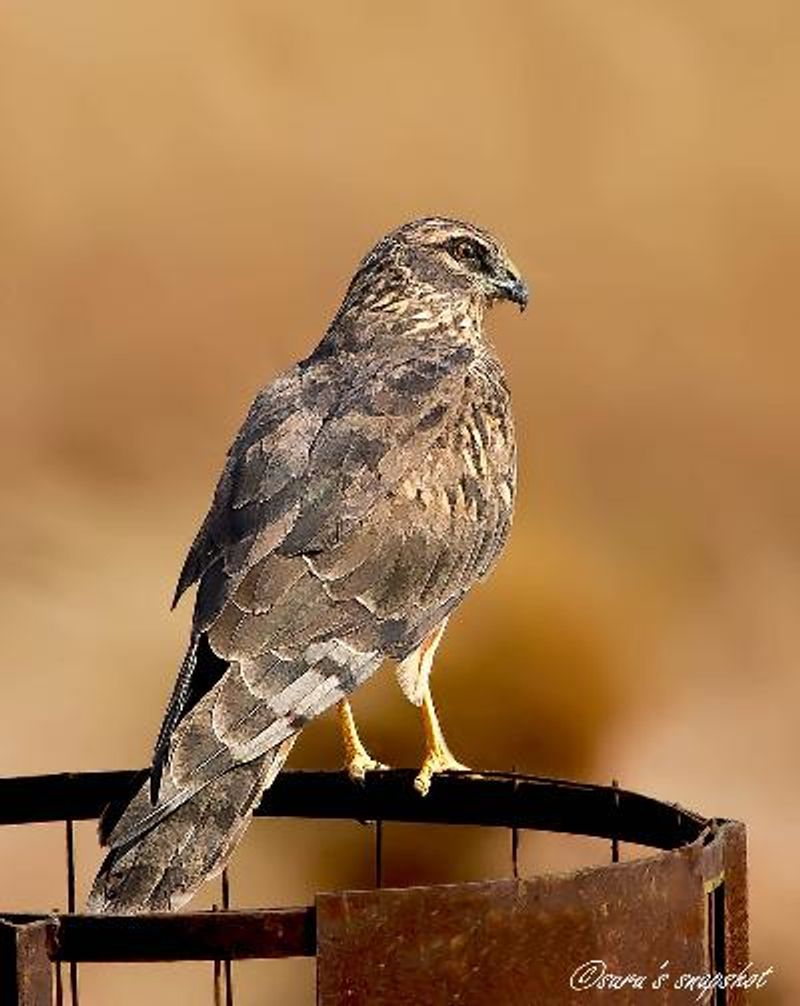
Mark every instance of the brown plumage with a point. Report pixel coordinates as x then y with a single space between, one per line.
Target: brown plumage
369 488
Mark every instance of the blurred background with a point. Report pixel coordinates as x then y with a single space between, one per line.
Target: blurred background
185 190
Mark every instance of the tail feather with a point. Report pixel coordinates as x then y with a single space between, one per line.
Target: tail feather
222 755
161 869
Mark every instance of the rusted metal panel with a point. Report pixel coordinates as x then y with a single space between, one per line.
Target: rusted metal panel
736 934
26 977
523 942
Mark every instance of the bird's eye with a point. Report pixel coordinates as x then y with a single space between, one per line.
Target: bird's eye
466 250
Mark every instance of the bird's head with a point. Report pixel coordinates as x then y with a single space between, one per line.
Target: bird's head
436 259
454 257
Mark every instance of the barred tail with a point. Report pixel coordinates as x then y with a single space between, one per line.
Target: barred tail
162 868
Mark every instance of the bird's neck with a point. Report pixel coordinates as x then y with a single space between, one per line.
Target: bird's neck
391 316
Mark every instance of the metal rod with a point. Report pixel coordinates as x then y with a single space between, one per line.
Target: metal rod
59 986
226 904
73 966
59 977
217 983
514 832
379 853
226 890
226 964
217 973
614 838
70 826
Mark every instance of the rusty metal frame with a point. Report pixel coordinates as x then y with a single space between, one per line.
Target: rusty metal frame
708 853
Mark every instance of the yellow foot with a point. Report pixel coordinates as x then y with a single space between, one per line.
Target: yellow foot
437 754
361 762
436 761
358 760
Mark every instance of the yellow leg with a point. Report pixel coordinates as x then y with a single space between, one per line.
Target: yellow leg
358 760
438 757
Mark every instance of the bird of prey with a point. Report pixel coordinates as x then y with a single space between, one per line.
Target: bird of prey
370 487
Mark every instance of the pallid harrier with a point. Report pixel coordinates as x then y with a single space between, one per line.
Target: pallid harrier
369 488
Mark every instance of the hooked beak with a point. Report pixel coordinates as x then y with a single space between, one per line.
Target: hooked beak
512 287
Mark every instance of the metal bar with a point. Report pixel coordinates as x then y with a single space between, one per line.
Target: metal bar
226 964
70 836
514 838
226 890
73 967
59 979
217 975
79 795
379 853
481 798
59 985
217 983
188 936
26 976
615 838
515 852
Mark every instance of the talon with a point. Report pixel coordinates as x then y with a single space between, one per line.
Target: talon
358 761
436 761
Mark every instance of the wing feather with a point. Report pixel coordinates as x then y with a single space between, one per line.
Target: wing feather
339 531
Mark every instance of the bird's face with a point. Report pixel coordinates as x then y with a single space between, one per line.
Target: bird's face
454 257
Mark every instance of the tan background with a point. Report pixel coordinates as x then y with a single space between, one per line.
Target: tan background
184 192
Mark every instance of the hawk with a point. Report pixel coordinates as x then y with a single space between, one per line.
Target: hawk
370 487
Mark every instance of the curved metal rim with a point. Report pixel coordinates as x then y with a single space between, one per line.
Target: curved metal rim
488 799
